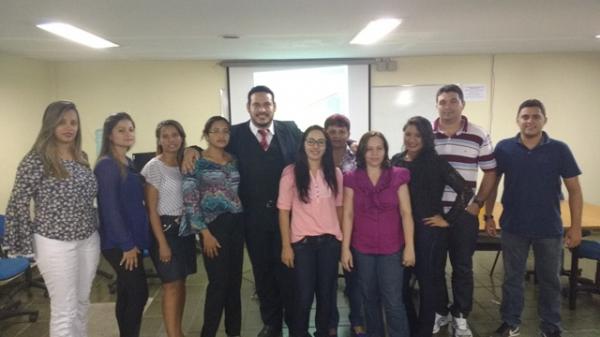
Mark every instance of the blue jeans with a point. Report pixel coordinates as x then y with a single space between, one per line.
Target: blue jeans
548 254
353 293
316 261
381 278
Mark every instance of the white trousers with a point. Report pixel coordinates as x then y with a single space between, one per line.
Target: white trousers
68 269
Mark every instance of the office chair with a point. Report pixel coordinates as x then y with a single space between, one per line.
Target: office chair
588 249
13 270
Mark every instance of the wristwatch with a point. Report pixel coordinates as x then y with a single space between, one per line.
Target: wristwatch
487 217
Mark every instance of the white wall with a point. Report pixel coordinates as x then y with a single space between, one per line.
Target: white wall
26 88
188 91
566 83
149 91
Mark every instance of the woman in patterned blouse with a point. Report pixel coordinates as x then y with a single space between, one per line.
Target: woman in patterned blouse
174 255
56 175
213 208
124 228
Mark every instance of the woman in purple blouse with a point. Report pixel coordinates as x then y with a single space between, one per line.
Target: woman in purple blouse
378 227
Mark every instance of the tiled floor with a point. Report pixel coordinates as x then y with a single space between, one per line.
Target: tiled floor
583 322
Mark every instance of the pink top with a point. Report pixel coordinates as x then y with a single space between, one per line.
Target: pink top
377 225
318 216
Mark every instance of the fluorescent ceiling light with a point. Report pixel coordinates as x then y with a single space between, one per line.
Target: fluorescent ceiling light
76 35
598 36
375 31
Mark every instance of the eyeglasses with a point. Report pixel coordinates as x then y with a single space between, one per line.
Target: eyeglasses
315 142
223 131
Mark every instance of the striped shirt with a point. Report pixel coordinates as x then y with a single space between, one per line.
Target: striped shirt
167 180
467 150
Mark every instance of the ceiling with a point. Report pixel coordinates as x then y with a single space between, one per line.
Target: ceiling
298 29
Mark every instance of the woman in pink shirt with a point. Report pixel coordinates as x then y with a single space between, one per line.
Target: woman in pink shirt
310 191
378 225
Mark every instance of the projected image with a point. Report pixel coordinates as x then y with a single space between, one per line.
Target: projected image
308 95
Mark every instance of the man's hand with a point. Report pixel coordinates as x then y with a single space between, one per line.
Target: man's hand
490 227
190 155
473 209
573 237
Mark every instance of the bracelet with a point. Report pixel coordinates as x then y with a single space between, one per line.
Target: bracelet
479 202
487 217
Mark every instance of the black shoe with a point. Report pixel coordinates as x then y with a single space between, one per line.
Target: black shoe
269 331
506 330
550 334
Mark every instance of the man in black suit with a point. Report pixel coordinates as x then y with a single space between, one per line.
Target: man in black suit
263 147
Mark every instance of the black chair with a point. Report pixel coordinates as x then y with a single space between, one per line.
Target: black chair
488 243
13 270
588 249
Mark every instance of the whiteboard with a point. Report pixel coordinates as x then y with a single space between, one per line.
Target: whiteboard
392 106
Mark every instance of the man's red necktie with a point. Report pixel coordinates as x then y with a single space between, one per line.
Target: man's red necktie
263 139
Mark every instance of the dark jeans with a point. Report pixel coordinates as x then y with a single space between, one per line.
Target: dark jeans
355 301
273 280
316 261
224 277
381 278
462 238
429 270
548 254
132 293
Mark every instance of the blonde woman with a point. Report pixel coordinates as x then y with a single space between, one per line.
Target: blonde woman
56 175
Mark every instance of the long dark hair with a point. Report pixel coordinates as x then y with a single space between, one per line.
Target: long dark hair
179 128
361 163
423 126
106 149
301 169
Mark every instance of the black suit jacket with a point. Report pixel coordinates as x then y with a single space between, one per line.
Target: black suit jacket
287 133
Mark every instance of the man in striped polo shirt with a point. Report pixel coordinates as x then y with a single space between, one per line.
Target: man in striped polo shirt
468 148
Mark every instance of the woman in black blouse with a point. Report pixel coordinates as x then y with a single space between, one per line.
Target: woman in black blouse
430 173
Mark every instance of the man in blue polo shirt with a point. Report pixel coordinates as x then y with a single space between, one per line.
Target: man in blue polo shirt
533 164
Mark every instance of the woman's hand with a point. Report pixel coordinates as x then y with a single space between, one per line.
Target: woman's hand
408 258
346 259
164 253
129 260
287 256
210 244
436 221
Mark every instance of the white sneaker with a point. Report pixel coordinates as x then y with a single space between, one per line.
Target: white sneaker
440 321
460 327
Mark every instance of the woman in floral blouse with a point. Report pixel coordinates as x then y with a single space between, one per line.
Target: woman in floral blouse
56 175
213 208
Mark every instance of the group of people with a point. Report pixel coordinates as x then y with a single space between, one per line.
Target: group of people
301 202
